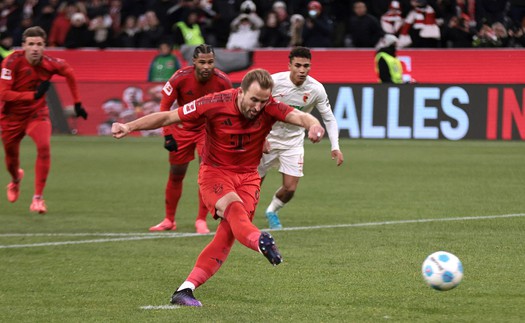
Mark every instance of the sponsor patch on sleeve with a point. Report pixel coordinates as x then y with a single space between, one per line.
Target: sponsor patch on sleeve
168 89
189 108
6 74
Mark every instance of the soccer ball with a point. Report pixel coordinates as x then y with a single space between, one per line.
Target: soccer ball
442 270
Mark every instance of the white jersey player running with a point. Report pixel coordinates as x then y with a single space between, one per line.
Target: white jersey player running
286 142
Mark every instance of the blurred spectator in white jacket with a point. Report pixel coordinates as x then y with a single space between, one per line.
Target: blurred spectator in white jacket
245 35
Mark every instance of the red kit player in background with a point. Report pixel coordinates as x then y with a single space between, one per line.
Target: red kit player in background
237 122
24 81
186 85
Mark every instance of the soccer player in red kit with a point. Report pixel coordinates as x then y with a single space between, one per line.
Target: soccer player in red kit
186 85
237 122
23 82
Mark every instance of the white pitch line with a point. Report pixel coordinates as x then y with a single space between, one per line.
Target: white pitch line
160 307
146 236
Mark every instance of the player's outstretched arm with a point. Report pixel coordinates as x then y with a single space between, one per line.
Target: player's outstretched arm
148 122
307 121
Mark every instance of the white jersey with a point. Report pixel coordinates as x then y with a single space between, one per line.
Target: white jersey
311 94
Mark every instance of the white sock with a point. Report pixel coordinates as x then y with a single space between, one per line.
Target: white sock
185 285
275 205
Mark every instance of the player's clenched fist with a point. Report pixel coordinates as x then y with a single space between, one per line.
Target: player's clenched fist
315 133
119 130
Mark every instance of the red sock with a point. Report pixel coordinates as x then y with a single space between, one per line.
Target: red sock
43 163
203 210
41 133
12 161
213 256
173 194
241 225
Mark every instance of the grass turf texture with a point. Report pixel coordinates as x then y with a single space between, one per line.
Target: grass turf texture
356 273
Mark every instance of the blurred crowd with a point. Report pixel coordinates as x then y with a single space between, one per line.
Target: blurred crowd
266 23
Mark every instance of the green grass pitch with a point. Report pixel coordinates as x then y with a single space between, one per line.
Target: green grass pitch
354 240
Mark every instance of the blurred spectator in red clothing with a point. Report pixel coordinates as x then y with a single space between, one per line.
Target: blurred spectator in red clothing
62 22
318 27
391 21
364 29
420 29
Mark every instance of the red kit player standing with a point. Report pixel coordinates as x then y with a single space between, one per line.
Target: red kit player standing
186 85
237 122
23 82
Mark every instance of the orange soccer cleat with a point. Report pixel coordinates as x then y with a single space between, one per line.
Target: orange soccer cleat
201 227
38 205
13 189
165 225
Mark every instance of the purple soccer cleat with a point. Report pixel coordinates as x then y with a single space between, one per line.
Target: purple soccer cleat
185 298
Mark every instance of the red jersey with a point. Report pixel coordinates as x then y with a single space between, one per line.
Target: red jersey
19 80
184 87
233 142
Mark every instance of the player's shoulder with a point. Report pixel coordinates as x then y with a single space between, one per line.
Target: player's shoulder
279 76
222 77
182 73
220 74
53 60
314 85
218 98
53 63
13 59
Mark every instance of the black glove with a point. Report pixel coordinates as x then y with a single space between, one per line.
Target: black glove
170 143
41 89
80 111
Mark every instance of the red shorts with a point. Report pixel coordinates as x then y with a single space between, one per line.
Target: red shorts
187 142
15 127
214 183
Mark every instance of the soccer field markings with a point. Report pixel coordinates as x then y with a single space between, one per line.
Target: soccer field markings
160 307
115 237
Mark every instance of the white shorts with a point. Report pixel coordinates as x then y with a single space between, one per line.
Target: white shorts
290 161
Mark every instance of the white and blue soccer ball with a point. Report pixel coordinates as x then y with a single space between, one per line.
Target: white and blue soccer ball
442 270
